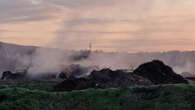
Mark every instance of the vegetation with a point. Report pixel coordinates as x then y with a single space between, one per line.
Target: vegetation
161 97
45 85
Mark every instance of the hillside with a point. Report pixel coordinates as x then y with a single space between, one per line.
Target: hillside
161 97
12 54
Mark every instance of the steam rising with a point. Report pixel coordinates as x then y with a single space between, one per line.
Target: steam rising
49 60
187 67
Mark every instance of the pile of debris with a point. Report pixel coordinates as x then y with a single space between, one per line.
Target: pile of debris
105 78
8 75
159 73
74 84
76 77
155 72
23 75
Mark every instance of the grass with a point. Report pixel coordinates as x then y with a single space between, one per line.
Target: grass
161 97
45 85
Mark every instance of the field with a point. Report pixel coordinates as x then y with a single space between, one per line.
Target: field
44 85
38 95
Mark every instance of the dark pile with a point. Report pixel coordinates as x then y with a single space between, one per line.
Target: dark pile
105 78
155 72
159 73
74 84
8 75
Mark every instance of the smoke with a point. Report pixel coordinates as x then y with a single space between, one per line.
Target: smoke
40 61
53 61
187 67
46 60
14 58
110 60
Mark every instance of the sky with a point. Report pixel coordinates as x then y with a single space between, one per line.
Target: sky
109 25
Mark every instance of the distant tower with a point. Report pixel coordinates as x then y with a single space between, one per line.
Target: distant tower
90 46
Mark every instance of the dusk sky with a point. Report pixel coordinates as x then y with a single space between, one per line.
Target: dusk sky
110 25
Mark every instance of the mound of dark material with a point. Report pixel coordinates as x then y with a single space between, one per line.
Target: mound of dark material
159 73
8 75
74 84
105 78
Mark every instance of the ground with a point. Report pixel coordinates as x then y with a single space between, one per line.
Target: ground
38 96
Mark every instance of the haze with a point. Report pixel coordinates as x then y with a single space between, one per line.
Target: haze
110 25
